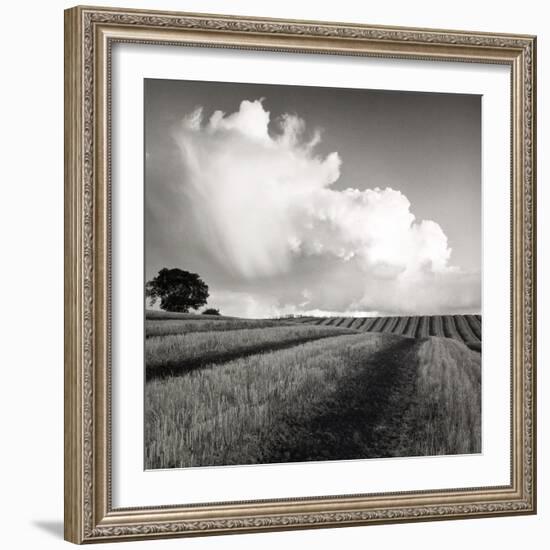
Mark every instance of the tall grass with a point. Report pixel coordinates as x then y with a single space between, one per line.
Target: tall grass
446 414
349 396
201 347
229 414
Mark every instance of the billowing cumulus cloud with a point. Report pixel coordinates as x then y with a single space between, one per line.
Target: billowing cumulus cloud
264 201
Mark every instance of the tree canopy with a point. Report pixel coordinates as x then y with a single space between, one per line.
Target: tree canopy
178 290
211 311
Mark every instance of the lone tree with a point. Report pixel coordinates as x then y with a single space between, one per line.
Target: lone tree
211 311
177 289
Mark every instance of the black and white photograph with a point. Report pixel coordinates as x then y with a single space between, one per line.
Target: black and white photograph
313 274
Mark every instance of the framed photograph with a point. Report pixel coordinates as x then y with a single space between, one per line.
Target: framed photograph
300 274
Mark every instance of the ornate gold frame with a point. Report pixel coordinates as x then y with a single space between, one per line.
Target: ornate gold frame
89 34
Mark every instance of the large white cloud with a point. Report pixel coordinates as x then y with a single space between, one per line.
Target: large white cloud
263 198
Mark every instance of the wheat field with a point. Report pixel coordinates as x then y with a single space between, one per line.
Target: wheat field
235 391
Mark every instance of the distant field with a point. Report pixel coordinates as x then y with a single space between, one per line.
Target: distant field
464 328
183 326
223 390
172 315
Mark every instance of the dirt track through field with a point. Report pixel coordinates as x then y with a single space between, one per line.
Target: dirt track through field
358 396
363 417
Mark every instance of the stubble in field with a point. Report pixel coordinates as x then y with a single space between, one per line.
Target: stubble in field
341 394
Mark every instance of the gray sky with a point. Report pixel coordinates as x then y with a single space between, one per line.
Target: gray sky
255 200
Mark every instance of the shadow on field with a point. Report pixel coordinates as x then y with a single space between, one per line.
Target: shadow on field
180 368
362 419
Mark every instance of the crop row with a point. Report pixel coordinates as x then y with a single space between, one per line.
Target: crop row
464 328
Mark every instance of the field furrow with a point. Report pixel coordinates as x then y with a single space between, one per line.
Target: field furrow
357 323
475 324
423 328
436 326
367 324
468 329
464 329
390 325
319 321
401 325
411 328
449 328
328 321
378 324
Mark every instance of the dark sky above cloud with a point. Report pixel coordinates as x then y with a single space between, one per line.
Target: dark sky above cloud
295 199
